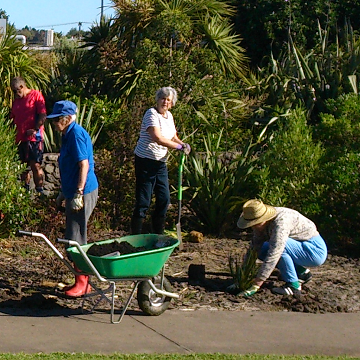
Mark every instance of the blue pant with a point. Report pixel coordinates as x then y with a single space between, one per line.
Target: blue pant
151 177
308 253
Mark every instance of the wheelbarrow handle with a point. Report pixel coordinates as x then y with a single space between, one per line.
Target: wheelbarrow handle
24 233
84 256
35 234
63 241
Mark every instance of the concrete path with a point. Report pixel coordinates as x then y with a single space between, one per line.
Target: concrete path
182 332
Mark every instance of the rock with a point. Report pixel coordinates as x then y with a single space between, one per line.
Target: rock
195 237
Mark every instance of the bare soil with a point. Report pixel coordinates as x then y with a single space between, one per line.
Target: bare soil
30 273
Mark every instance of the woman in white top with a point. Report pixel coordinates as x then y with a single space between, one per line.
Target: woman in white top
157 135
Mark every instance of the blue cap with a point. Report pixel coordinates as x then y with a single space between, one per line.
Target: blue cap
63 108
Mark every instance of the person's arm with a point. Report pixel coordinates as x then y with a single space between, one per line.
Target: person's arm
155 134
40 113
83 172
177 140
40 121
279 233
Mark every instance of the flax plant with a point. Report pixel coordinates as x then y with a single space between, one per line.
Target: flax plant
308 78
214 179
84 118
243 272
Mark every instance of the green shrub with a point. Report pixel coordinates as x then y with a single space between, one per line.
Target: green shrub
115 168
290 166
340 134
340 216
15 204
339 129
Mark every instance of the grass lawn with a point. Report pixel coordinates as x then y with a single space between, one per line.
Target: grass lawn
58 356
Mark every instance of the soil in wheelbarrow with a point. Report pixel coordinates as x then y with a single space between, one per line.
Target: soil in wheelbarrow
114 248
30 273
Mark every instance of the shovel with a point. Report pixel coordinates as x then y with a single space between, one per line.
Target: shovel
178 225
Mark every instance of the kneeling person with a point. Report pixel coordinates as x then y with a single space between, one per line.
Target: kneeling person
285 239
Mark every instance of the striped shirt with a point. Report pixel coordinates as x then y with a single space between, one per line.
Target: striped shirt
146 147
288 223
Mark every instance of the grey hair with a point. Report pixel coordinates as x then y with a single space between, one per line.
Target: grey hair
17 81
165 92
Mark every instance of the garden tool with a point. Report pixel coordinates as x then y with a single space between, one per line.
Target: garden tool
178 226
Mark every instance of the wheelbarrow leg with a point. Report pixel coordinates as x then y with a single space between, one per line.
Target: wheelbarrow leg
123 311
97 292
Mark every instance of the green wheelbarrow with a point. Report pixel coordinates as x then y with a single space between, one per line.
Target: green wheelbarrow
144 269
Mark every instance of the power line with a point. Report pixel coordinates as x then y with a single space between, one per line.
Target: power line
44 26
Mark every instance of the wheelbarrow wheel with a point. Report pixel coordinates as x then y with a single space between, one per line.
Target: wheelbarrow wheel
149 301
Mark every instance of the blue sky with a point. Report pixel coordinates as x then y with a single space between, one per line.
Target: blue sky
54 14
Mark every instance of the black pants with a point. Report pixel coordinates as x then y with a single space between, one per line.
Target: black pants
151 177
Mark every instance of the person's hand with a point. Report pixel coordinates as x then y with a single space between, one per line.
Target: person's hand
30 132
59 200
250 291
77 202
185 148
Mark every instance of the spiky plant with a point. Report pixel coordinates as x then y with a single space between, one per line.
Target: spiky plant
184 24
243 272
84 118
15 60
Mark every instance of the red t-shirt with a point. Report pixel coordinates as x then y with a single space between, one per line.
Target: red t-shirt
24 112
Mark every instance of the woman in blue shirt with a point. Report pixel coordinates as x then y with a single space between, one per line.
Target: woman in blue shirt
79 185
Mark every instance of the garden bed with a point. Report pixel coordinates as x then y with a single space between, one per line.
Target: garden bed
30 273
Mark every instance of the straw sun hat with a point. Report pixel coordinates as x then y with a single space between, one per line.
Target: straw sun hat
255 212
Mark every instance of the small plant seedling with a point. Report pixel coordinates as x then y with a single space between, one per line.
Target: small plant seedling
243 272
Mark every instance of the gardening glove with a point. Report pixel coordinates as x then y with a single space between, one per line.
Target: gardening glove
77 202
250 291
59 200
185 148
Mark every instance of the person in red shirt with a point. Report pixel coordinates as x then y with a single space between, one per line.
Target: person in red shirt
28 113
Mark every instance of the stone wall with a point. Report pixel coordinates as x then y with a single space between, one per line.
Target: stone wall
52 174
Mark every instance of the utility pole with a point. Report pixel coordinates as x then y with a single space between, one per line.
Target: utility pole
102 11
80 23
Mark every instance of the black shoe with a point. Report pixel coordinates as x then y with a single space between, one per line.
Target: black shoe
305 277
287 289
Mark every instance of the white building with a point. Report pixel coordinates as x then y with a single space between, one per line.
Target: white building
49 38
2 27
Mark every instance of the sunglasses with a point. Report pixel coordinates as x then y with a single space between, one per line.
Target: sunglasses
57 119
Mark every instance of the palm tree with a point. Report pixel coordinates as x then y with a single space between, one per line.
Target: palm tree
109 70
17 61
182 23
3 14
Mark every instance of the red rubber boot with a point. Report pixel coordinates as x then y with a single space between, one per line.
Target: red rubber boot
81 286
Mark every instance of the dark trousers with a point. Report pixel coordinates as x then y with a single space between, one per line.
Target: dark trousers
151 178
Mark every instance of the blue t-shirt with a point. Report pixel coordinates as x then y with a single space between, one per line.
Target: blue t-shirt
76 146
